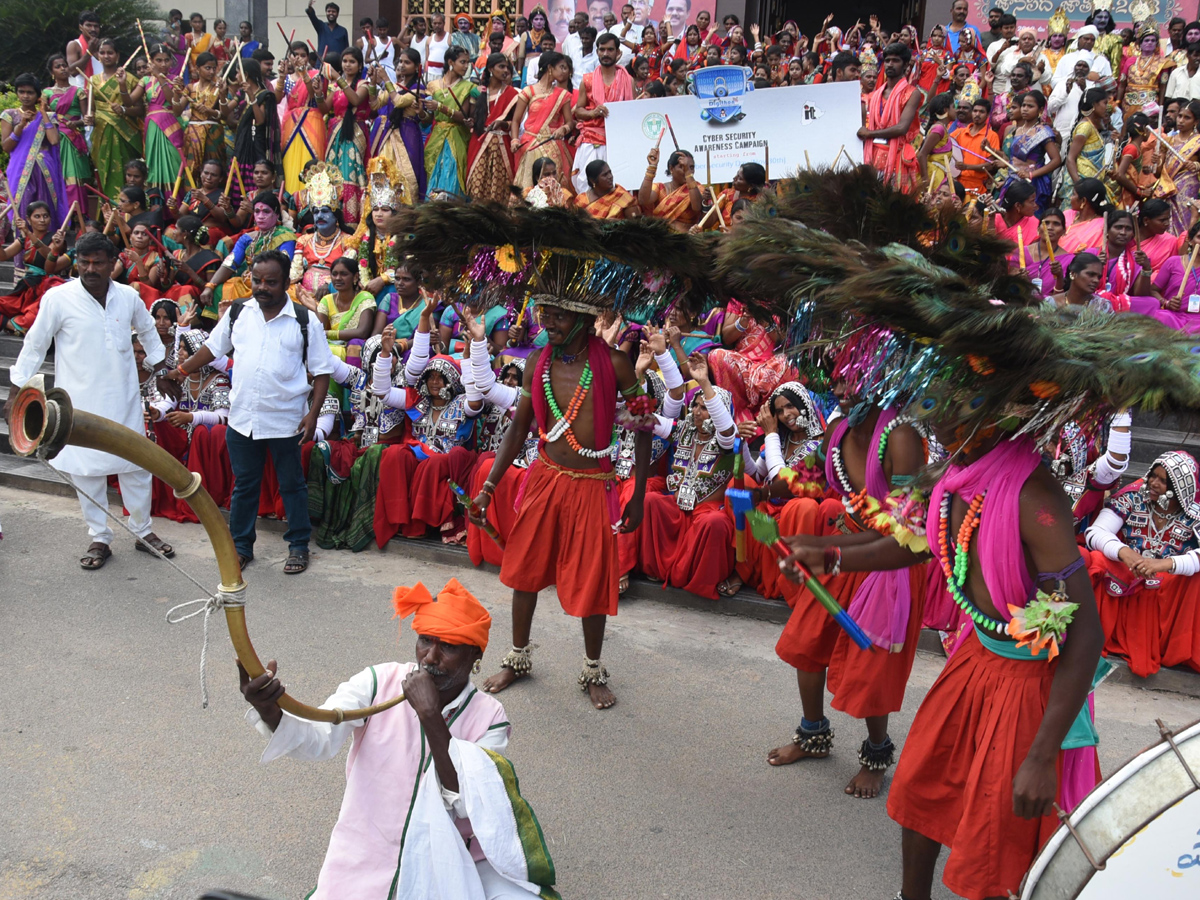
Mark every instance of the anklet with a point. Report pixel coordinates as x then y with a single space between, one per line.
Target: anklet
820 741
877 757
592 673
518 659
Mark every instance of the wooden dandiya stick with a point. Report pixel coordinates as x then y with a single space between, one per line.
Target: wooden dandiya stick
191 180
131 57
70 212
178 179
237 171
671 129
1046 238
1162 140
707 167
1187 271
241 65
767 155
1020 248
284 36
91 99
229 179
228 69
807 161
145 46
310 44
704 221
99 194
717 206
1137 236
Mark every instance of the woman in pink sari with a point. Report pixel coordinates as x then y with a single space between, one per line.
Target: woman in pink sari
64 100
545 110
752 369
1089 203
303 132
1176 301
1019 205
1158 242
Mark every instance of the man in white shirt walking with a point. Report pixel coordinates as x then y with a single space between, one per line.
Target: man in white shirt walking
277 345
89 321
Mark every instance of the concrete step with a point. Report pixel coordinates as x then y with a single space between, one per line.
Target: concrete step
6 363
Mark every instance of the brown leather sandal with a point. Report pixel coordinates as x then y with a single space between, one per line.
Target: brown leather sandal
96 556
153 540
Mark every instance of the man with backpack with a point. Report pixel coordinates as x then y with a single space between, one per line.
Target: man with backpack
274 348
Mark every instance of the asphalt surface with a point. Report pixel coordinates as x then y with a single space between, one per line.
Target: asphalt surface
116 784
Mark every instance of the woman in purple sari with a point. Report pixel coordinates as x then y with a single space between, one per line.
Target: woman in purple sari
66 102
398 137
1176 301
31 141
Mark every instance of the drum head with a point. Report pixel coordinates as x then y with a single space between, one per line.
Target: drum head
1140 824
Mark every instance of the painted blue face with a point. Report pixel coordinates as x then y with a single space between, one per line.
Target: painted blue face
325 220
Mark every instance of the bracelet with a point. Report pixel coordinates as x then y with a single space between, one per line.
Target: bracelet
209 286
488 488
833 560
651 171
179 369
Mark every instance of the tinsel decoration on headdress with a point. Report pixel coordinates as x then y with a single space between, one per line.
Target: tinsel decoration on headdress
1058 23
928 319
324 185
485 255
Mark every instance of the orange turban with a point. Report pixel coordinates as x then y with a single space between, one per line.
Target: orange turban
455 617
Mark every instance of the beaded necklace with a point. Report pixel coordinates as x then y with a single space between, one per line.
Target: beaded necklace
856 501
955 564
563 428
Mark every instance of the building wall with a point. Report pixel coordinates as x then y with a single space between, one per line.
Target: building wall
288 13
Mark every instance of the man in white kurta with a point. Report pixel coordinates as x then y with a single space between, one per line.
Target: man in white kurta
431 807
89 320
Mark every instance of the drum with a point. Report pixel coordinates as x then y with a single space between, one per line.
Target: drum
1139 827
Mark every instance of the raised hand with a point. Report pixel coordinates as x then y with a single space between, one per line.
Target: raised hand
388 340
766 420
698 368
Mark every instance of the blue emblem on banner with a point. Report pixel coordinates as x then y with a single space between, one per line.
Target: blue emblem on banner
719 90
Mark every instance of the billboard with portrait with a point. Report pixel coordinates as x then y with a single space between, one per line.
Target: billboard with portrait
645 12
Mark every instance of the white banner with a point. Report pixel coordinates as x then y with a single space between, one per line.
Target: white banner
799 126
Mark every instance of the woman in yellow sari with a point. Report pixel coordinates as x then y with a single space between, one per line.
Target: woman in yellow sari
198 41
679 200
603 199
451 101
1178 182
303 131
116 138
204 137
934 158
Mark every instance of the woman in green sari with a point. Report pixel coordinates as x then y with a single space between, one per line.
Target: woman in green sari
451 99
164 134
349 110
63 100
115 135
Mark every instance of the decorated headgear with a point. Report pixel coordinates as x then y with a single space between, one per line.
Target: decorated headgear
168 304
810 417
1181 475
517 363
448 369
324 186
455 617
1058 23
1105 5
459 19
193 339
1142 14
485 255
370 349
970 92
384 188
937 317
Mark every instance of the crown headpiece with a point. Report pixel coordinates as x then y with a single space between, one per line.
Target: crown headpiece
1098 5
1142 14
1058 23
324 186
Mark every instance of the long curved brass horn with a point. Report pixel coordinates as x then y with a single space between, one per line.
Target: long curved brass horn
43 422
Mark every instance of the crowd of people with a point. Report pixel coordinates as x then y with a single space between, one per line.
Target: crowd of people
300 345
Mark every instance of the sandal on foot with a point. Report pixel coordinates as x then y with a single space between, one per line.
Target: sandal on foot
153 540
730 586
296 563
244 561
95 556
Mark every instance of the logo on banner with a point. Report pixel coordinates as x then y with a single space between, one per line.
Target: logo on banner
719 91
653 125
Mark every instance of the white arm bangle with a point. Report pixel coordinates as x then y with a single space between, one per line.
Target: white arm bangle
418 358
669 370
381 377
672 407
481 366
722 421
773 454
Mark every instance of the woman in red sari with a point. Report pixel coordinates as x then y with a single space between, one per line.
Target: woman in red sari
604 199
489 154
748 366
679 200
544 109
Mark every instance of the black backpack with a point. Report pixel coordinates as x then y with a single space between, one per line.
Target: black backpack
235 310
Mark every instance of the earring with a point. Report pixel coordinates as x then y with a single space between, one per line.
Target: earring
478 667
1165 500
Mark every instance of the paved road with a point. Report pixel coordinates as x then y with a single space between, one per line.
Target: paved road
116 784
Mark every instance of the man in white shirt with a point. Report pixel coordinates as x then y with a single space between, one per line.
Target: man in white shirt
583 55
278 344
1184 83
622 31
435 45
384 53
1085 41
1005 55
572 43
1063 104
89 322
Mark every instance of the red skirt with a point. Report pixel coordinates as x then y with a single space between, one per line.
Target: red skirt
163 501
207 455
1150 627
627 544
760 569
501 512
22 305
413 494
953 783
693 551
563 536
810 635
871 682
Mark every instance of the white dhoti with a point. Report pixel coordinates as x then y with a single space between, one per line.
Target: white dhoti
584 154
135 495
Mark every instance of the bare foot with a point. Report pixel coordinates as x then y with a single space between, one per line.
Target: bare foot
867 784
601 696
792 752
500 680
623 584
730 586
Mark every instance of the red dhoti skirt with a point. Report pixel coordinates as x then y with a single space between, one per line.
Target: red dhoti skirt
563 536
810 635
1150 627
501 512
954 781
207 455
413 494
760 569
871 682
163 501
688 550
